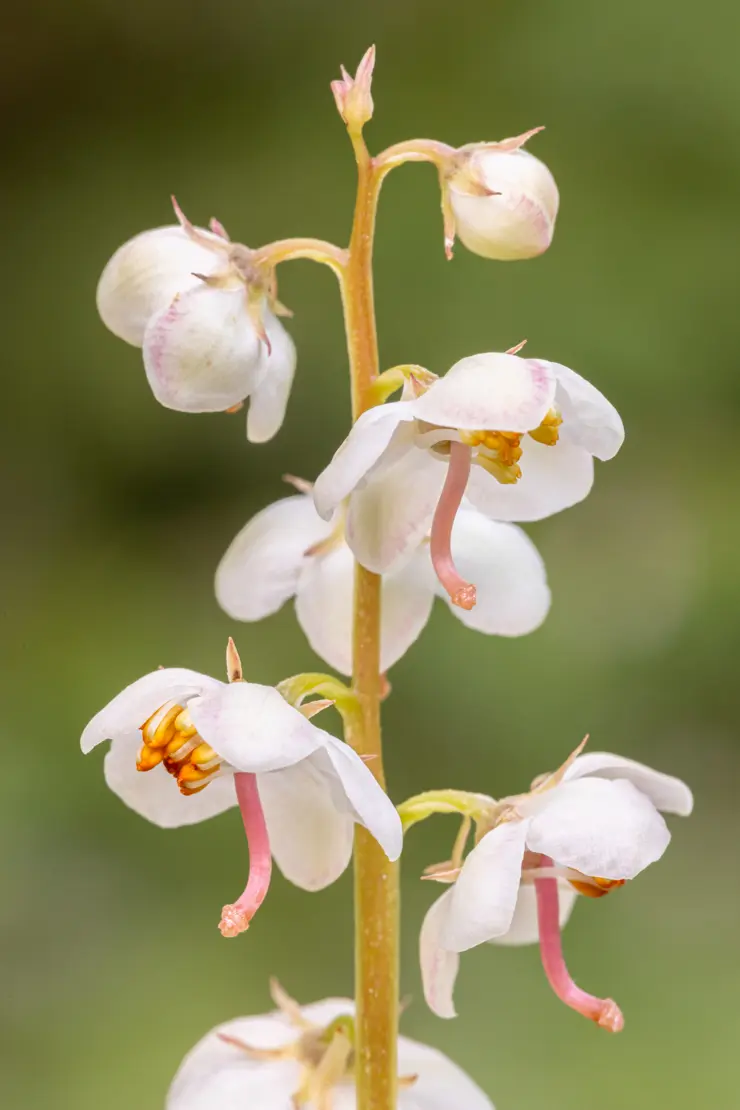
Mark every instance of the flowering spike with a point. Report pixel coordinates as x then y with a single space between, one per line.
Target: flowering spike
234 669
353 96
462 593
604 1011
235 918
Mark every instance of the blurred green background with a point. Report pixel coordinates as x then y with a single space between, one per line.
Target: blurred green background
116 512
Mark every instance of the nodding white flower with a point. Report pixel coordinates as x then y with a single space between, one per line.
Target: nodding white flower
287 550
503 200
205 318
186 747
303 1056
516 436
586 829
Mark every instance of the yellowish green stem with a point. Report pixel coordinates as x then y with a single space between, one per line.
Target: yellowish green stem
376 880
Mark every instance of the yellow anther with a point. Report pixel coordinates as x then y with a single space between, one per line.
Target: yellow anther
548 432
184 724
159 729
149 758
203 755
594 886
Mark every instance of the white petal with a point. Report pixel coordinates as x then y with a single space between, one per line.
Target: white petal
310 838
507 570
215 1074
130 709
269 398
323 605
603 828
253 728
520 220
362 448
391 515
667 793
589 420
202 353
441 1084
495 391
407 600
367 800
155 794
553 479
439 966
324 600
262 566
484 896
144 275
524 928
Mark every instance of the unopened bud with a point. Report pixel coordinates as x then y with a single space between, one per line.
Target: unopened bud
503 200
353 94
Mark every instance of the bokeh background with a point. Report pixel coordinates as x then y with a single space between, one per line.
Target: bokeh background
115 513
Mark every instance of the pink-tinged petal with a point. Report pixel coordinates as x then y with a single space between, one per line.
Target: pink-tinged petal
524 928
518 219
598 827
513 597
144 275
553 479
311 838
262 567
604 1011
202 353
361 450
253 728
236 917
390 516
439 966
498 392
589 420
155 794
269 398
485 895
667 793
128 711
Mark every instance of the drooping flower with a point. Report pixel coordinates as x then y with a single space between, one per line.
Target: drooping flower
205 318
516 436
287 550
186 747
586 829
503 200
303 1056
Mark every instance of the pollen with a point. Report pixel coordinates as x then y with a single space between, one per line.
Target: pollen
499 452
171 738
594 886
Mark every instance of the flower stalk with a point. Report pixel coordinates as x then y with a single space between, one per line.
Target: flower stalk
376 880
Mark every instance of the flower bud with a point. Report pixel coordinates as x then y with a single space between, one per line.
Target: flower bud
504 202
353 95
144 275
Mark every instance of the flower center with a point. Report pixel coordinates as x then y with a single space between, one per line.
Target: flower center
499 452
170 738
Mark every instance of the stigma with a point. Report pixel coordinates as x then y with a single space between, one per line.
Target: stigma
499 452
171 739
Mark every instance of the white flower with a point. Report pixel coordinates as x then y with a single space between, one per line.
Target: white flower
186 747
516 436
303 1057
210 339
586 829
287 551
504 200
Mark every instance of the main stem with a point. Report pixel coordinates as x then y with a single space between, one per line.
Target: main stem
376 880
